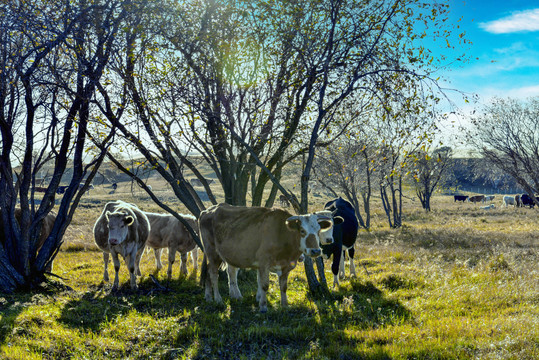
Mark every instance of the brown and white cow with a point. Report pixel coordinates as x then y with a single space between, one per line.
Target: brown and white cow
476 198
122 229
258 238
168 232
46 228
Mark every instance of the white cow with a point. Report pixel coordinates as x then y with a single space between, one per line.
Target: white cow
488 207
508 200
489 198
122 229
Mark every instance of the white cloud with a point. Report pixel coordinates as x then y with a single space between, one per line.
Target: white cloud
527 20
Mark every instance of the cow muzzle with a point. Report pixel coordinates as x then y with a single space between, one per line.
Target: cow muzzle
326 241
114 242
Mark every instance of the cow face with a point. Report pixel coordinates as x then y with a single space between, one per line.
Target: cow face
327 220
118 223
309 227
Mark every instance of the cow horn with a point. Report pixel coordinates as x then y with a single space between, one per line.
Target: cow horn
292 218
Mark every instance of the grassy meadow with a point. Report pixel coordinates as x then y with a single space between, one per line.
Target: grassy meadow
455 283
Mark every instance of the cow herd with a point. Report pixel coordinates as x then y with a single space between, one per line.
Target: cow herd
236 237
519 200
233 237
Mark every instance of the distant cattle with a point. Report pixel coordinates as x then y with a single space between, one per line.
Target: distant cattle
344 237
460 198
283 201
198 182
489 198
526 200
90 187
40 189
122 229
46 228
168 232
256 237
509 200
487 207
61 189
476 198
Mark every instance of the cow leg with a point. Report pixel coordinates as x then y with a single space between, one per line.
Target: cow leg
106 261
157 253
183 265
351 253
283 285
116 262
341 264
140 252
207 280
213 271
263 286
337 255
171 259
131 261
233 288
194 257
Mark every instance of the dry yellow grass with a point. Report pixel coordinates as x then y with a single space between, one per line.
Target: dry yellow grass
455 283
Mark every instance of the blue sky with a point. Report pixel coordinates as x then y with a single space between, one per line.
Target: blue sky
504 51
504 57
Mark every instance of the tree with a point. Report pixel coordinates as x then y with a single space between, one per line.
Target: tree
429 173
506 134
252 85
53 55
346 167
403 125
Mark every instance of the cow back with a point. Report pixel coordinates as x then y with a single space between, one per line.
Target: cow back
166 230
245 237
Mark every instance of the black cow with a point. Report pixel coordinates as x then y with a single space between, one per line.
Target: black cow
462 198
526 200
344 237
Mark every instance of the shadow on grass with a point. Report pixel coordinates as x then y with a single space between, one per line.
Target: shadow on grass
11 306
236 328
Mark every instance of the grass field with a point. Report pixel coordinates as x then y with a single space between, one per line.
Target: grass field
456 283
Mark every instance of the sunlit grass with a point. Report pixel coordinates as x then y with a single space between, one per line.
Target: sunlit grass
456 283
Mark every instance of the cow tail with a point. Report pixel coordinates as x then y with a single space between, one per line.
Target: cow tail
203 271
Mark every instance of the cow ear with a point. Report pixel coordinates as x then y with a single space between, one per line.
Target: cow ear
293 224
128 220
337 220
325 224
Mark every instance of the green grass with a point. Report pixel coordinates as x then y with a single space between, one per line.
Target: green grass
445 286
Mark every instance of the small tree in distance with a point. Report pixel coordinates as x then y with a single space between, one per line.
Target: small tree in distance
506 135
346 169
430 172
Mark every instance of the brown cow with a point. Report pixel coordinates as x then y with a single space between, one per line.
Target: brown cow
168 232
476 198
122 229
46 228
259 238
